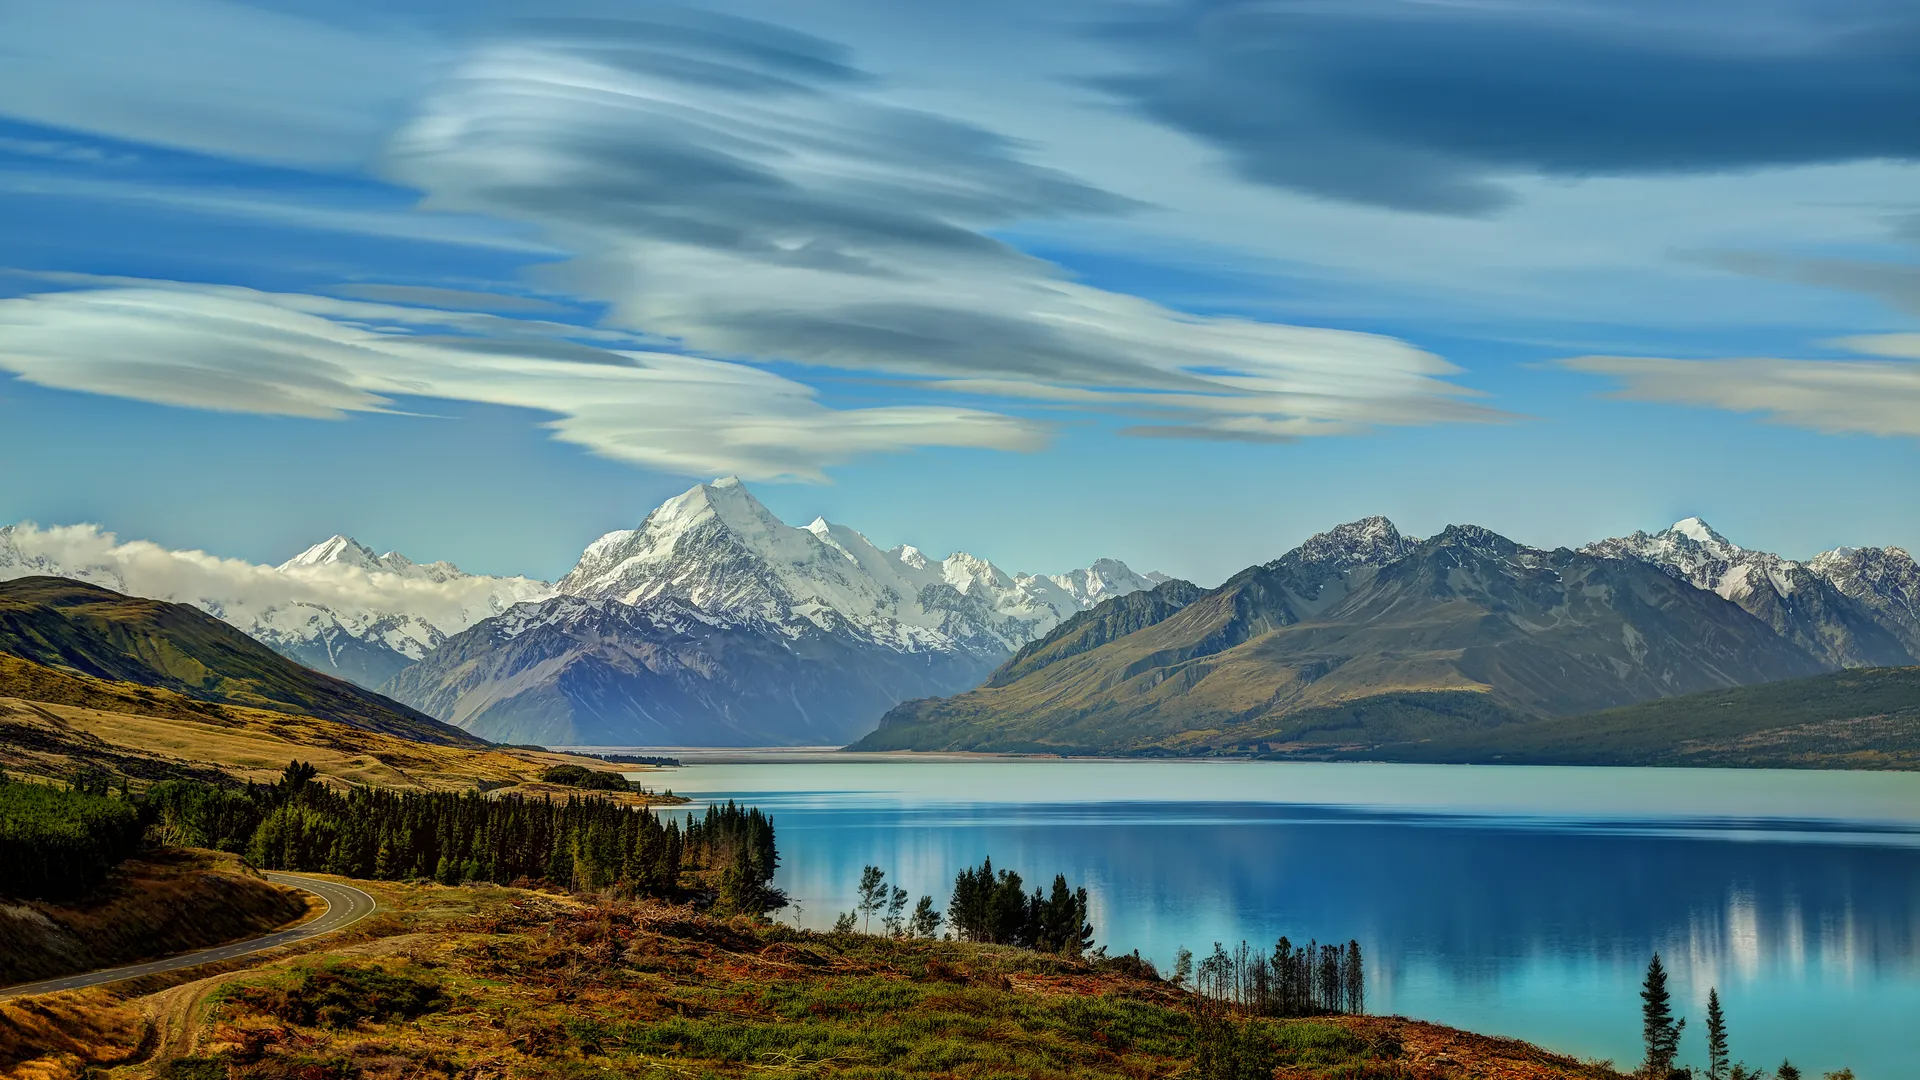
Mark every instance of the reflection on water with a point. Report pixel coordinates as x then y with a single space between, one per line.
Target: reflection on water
1516 901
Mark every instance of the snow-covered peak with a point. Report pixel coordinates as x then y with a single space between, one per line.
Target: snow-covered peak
335 550
718 549
345 551
1692 551
1700 532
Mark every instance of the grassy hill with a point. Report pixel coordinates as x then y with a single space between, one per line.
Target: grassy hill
1866 718
72 626
59 724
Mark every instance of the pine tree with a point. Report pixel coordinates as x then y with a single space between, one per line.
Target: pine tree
925 921
1716 1037
1661 1031
894 922
1786 1071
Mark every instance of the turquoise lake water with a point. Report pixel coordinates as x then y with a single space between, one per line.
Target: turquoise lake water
1514 901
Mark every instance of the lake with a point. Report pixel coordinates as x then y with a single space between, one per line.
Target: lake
1514 901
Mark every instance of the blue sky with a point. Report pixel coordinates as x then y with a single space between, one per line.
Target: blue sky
1178 282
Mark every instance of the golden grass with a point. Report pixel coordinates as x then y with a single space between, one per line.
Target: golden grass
54 722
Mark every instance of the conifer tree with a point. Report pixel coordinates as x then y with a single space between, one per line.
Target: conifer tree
1786 1071
1717 1063
894 922
873 894
925 921
1658 1027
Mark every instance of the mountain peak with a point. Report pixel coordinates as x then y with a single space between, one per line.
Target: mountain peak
1366 542
1697 530
1475 538
336 549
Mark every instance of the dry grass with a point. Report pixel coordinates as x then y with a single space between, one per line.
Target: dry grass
542 987
168 902
160 734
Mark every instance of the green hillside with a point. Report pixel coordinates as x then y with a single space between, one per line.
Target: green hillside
1467 631
1865 718
69 625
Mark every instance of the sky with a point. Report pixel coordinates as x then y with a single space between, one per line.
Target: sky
1180 282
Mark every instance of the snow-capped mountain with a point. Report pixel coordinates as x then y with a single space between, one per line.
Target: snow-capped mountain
715 622
336 607
1803 602
718 549
1885 581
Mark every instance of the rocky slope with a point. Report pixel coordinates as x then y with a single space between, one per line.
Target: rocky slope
716 623
336 607
1870 623
1365 613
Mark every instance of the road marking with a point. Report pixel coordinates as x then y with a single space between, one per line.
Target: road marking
344 908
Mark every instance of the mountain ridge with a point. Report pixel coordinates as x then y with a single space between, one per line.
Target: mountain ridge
1361 611
70 625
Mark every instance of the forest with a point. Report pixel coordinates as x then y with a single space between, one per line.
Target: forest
59 843
67 840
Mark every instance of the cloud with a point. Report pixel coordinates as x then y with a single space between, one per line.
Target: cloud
1427 106
1896 284
1863 396
261 598
745 191
239 350
436 297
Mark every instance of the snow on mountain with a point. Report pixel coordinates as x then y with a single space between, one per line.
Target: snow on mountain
1797 599
1886 581
717 548
336 607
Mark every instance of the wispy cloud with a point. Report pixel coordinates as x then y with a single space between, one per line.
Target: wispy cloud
744 190
1876 395
239 350
1435 106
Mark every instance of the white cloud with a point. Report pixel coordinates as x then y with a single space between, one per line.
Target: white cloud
1863 396
239 350
266 601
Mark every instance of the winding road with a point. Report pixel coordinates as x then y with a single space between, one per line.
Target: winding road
346 905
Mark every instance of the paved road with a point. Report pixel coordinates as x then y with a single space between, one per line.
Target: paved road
346 905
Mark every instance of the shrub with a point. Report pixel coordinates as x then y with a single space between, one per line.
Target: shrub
582 777
343 995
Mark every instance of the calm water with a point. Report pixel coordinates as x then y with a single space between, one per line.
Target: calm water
1508 900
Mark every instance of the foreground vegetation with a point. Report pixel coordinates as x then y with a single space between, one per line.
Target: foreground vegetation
487 982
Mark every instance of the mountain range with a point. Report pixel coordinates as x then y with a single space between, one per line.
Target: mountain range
1363 636
713 622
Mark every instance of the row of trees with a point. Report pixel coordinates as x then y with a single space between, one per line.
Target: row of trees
1661 1031
58 843
64 841
1294 981
986 906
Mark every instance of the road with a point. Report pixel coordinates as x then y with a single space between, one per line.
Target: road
346 905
